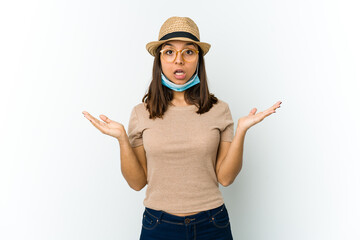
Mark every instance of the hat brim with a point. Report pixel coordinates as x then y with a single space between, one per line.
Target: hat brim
152 46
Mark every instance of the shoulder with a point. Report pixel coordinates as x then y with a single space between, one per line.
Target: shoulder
140 109
221 105
222 102
139 106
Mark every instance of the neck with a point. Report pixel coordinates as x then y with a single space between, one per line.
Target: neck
178 98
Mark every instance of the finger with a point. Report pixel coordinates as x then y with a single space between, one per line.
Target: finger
273 108
105 119
277 104
96 122
88 116
266 113
253 111
269 112
99 125
261 115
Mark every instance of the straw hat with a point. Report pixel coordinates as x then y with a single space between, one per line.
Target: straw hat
178 28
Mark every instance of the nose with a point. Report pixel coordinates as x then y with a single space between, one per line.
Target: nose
179 59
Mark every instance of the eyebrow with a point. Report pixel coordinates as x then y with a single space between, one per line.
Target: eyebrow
185 44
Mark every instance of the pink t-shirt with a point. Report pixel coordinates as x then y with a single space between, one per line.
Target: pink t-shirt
181 154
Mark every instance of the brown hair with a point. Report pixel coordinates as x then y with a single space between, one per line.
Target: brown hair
159 96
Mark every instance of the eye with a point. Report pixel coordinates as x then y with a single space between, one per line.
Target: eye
169 52
189 52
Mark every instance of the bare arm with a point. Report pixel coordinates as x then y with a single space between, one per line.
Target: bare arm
132 164
229 161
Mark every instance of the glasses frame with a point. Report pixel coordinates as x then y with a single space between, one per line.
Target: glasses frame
181 50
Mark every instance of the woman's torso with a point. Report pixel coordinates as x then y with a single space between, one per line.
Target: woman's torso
171 144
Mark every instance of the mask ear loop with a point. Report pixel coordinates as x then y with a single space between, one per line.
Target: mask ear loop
197 69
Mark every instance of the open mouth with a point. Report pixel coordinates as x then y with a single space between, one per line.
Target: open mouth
179 72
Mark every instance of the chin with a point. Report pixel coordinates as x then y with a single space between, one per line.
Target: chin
179 82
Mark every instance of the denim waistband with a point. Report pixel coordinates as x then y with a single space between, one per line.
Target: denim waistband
182 220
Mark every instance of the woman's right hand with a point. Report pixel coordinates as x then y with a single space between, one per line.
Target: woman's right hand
108 127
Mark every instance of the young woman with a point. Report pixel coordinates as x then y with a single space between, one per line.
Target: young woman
181 141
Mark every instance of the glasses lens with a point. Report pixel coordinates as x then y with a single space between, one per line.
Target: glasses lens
189 55
169 54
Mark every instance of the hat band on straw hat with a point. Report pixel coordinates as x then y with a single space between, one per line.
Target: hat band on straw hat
179 34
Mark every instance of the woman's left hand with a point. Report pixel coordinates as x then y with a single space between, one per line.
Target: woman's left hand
246 122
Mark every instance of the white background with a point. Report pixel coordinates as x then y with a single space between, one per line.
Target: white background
60 177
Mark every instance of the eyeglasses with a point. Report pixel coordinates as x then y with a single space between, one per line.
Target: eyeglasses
170 54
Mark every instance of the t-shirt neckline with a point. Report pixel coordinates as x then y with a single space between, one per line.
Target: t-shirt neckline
182 107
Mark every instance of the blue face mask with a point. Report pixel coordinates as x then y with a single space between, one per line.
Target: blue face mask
179 88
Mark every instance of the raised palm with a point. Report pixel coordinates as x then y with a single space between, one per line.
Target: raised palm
108 127
250 120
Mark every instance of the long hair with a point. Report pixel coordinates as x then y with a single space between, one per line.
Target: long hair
159 96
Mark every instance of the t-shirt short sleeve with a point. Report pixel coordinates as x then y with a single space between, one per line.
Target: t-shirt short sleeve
134 130
227 131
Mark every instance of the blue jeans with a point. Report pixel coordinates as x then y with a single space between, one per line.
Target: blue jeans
213 224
